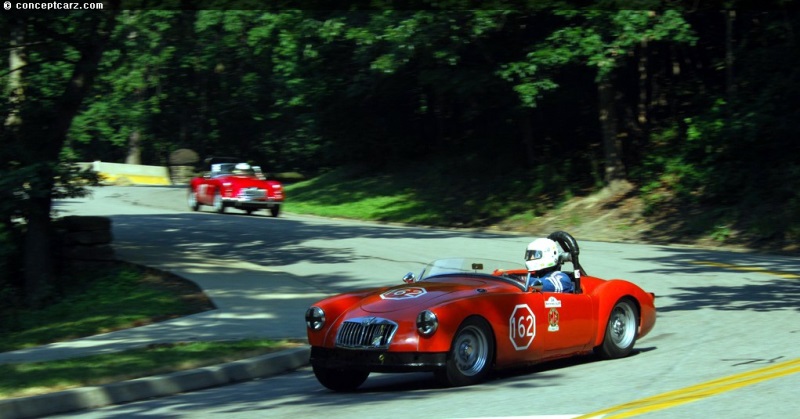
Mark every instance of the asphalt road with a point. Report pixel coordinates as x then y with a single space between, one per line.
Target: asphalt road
726 343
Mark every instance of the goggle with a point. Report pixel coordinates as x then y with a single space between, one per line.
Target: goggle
533 254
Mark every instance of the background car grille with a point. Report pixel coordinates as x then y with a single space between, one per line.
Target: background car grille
253 193
366 333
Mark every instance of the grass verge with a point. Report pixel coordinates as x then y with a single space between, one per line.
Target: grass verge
27 379
103 299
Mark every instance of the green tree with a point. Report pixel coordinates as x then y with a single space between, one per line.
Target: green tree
116 121
603 41
62 53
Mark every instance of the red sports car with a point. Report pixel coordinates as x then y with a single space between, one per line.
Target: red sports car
232 183
462 318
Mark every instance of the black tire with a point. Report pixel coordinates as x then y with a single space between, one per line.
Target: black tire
340 380
274 211
192 200
248 211
621 331
219 206
471 354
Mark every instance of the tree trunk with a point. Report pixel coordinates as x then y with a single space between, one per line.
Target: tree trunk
134 148
38 264
614 169
16 62
730 83
38 260
641 116
527 137
10 140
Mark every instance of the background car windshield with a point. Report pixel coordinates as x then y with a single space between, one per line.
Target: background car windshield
230 168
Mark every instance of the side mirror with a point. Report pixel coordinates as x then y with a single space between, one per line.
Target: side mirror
409 278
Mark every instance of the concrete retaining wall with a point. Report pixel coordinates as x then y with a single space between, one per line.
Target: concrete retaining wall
130 174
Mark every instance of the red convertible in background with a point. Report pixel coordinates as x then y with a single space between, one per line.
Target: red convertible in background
237 184
461 318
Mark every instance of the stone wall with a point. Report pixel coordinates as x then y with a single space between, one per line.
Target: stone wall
85 239
182 166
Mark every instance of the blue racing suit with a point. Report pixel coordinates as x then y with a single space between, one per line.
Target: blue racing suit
555 281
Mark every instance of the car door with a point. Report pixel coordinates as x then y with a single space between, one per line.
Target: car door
203 192
518 322
569 323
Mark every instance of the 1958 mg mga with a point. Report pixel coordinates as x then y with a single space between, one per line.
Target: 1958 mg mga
233 183
463 317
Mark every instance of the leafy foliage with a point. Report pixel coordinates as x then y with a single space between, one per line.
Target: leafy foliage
695 105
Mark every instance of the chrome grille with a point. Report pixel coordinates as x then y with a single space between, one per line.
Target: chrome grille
253 193
366 333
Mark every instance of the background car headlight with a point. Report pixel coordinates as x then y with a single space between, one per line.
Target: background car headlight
427 323
315 318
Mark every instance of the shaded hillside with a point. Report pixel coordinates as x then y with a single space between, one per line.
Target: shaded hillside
508 201
620 213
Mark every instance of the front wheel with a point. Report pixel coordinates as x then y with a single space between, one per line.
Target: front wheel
219 206
192 200
620 331
340 380
471 354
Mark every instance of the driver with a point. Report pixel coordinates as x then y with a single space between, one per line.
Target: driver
242 169
542 260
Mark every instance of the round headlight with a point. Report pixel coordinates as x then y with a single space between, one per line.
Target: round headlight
315 318
427 323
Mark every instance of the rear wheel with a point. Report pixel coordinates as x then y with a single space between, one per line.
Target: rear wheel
620 331
274 211
219 206
340 380
471 354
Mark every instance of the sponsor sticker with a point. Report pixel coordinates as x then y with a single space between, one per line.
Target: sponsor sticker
552 302
552 320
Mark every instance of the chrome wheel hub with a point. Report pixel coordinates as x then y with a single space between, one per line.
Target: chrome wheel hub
623 325
471 351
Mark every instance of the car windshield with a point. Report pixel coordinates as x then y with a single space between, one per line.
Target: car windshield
221 169
469 265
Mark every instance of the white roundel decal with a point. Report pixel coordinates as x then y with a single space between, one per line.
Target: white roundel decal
522 327
403 293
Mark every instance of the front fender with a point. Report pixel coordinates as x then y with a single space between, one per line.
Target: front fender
334 307
451 316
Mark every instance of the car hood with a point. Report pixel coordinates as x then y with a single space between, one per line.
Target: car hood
249 182
421 295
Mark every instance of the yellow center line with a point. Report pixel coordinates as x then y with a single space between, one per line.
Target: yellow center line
787 275
697 392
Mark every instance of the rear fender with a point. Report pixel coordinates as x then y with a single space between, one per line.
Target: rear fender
606 295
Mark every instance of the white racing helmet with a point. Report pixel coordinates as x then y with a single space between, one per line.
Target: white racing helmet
541 254
242 168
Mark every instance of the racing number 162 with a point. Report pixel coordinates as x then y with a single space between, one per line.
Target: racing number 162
521 326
